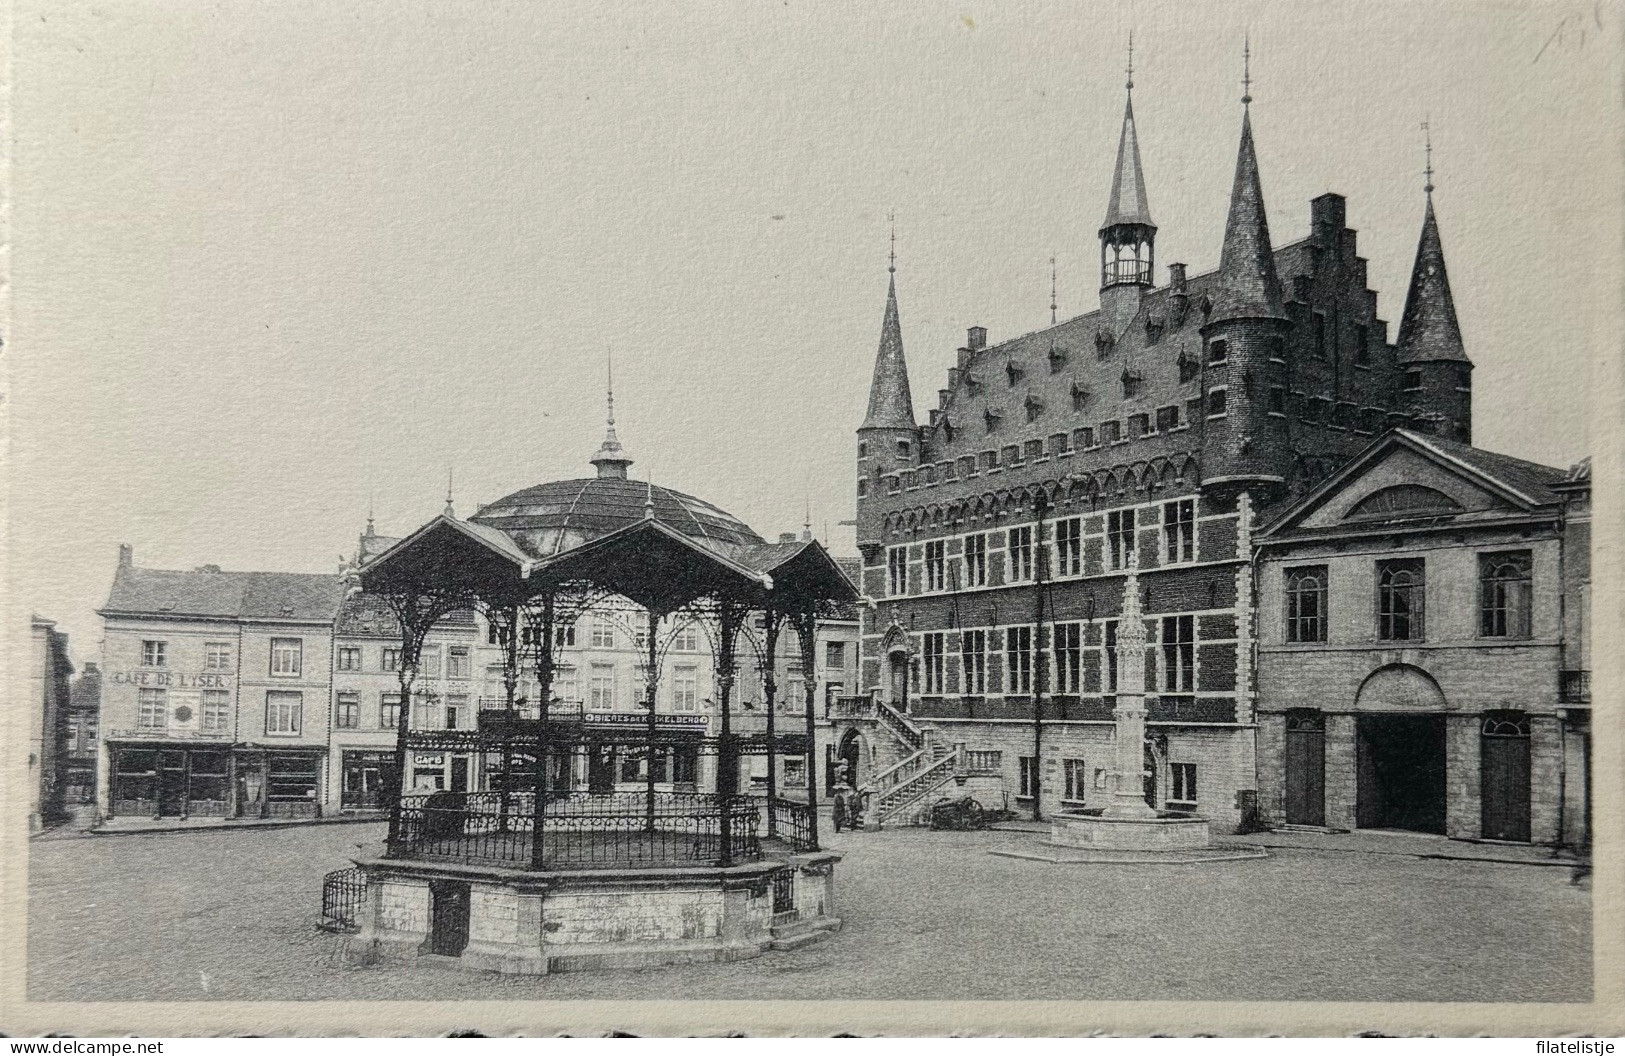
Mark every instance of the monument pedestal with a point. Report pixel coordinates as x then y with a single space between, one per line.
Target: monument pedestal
1151 833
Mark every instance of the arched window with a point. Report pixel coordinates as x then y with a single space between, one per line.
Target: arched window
1306 604
1404 500
1399 600
1504 595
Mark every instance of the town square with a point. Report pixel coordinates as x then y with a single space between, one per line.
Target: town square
1130 540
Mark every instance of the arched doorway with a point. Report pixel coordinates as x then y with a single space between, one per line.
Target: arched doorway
849 758
1400 751
1305 767
1504 775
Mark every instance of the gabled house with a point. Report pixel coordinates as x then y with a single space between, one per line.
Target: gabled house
1423 649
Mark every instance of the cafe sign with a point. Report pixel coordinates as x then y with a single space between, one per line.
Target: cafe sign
170 679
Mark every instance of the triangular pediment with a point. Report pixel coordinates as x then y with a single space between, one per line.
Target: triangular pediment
1402 479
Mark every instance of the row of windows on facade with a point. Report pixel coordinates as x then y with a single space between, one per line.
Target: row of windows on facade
1314 410
1062 558
1170 659
601 635
1077 778
287 659
1505 599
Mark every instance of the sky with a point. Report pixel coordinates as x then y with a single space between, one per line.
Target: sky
277 264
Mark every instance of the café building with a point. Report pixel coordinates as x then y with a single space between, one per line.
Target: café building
215 692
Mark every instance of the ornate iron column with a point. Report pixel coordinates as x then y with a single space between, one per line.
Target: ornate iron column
770 686
544 697
806 625
652 681
730 615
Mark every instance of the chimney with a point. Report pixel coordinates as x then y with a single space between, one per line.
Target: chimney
1328 215
92 668
126 555
976 338
1176 277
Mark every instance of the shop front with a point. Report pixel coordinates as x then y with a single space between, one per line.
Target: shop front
169 780
366 779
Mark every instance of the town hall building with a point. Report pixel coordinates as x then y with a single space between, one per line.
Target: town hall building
1171 424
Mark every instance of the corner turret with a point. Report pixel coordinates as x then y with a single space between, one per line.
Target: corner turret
1128 237
1244 339
1438 376
889 438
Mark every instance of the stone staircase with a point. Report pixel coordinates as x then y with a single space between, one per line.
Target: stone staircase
901 793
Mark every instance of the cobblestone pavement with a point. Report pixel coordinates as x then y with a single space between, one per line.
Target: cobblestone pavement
231 915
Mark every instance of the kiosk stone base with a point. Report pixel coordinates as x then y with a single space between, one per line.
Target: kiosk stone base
533 923
1160 833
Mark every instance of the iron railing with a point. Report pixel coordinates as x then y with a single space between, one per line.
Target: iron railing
784 897
343 893
579 830
792 823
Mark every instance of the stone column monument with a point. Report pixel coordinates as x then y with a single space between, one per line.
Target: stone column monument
1128 800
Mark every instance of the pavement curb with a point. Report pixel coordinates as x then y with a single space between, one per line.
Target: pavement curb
168 830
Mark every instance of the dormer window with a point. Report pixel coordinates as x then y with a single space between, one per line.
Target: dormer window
973 384
1153 329
1103 344
1132 384
1189 368
1057 359
1413 381
1012 372
1205 305
903 448
1218 352
1034 408
990 417
1080 396
948 430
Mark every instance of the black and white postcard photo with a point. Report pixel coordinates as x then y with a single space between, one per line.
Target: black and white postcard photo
938 519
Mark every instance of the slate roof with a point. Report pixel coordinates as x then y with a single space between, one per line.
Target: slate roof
1128 203
366 616
1529 479
1428 330
297 596
891 406
1248 287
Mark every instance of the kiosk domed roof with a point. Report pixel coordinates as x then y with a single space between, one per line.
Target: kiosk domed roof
550 518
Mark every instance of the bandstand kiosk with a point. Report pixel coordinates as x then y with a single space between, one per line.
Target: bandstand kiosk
536 873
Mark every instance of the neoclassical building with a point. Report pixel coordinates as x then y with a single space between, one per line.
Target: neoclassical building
1172 422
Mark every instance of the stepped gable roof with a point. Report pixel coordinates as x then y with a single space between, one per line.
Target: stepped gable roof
1428 331
297 596
548 519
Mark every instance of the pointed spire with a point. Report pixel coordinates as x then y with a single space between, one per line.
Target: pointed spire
1131 631
1428 330
891 405
1052 290
1128 204
1248 287
611 458
806 523
372 498
649 499
450 510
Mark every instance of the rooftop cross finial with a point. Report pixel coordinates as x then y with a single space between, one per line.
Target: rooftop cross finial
1130 85
372 499
1052 290
1247 70
611 458
450 510
891 266
1427 139
649 498
610 370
